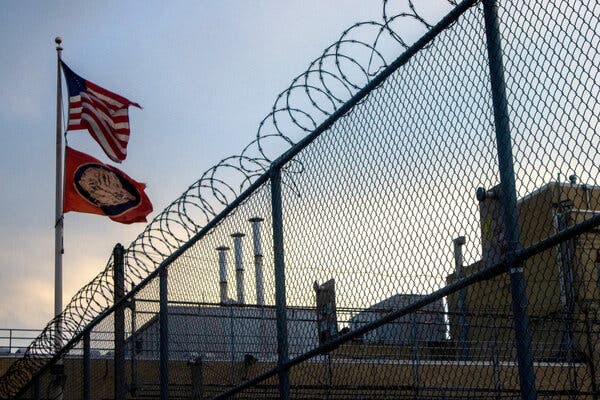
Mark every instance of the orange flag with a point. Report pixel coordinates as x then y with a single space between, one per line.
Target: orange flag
96 188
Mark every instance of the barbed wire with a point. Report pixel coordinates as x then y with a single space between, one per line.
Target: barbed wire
344 67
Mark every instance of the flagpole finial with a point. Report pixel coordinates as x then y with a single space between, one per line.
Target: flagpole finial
58 41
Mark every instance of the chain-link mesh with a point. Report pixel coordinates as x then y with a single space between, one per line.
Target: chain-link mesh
218 329
399 280
383 194
551 60
361 51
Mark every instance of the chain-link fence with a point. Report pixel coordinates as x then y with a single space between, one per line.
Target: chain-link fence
435 238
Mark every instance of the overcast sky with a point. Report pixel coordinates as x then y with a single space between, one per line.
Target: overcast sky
205 72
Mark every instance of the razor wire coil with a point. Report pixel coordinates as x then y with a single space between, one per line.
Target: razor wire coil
328 82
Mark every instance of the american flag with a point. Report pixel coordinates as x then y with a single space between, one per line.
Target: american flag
103 113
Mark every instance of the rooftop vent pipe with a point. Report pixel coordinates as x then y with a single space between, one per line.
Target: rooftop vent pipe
223 273
258 260
239 266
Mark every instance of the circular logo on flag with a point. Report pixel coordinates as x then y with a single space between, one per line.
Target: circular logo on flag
106 188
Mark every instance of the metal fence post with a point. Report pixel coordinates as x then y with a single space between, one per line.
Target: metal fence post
86 365
232 345
280 300
119 322
590 351
36 388
132 344
415 355
509 199
164 333
495 356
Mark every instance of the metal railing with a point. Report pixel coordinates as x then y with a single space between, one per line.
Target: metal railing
14 341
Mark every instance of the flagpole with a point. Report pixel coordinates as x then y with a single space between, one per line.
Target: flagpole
58 227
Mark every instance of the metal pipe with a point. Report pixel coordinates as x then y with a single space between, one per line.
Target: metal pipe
86 365
280 300
258 260
164 333
119 322
495 358
564 258
586 192
415 355
133 340
463 326
58 206
36 388
223 273
591 357
232 345
509 199
58 223
239 266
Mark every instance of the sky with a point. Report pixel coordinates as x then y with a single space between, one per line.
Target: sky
206 73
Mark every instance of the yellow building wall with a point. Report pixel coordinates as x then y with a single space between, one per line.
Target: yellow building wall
490 301
376 375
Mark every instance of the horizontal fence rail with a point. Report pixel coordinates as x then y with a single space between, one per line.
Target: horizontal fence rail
14 341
